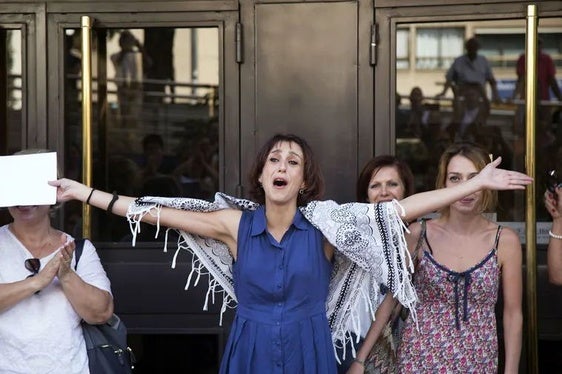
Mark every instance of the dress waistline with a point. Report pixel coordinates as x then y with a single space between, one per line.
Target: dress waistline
276 317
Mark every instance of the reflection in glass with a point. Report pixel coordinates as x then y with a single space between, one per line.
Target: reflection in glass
402 49
155 126
11 91
426 121
438 47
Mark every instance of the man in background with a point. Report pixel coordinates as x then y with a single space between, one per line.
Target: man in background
470 68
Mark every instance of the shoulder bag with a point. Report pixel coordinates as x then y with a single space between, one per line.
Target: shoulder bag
106 343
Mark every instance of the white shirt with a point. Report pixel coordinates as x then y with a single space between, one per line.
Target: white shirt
42 334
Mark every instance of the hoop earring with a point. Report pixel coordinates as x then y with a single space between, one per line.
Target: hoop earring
301 191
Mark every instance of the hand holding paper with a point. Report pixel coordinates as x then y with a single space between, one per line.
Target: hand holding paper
26 179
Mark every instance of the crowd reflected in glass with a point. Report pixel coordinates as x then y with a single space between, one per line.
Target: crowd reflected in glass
155 126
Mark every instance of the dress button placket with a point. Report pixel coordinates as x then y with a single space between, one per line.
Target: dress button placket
279 276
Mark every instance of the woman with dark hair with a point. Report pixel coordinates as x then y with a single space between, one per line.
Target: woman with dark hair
463 260
384 178
275 259
398 177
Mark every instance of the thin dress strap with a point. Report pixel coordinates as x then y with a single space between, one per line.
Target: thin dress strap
497 240
423 237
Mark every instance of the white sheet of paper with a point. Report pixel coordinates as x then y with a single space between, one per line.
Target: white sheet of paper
25 177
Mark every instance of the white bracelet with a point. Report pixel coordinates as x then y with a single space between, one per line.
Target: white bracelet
553 235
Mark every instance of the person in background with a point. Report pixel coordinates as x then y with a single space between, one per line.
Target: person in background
471 68
546 76
546 82
43 299
471 114
155 162
281 262
420 115
553 204
384 178
462 261
160 73
128 64
198 172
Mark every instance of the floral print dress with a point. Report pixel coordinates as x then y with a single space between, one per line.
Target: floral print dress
456 317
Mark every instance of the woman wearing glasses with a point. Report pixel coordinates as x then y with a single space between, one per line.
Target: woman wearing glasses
43 298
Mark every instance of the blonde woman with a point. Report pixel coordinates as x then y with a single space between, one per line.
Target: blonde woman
464 259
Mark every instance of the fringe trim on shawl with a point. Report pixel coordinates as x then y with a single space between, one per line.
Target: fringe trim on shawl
370 250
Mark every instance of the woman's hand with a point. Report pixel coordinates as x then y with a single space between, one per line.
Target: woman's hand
499 179
58 266
68 189
65 255
46 274
552 203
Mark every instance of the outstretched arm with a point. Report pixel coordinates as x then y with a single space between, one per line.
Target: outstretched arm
489 178
221 225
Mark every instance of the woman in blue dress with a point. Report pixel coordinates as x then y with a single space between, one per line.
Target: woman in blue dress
281 260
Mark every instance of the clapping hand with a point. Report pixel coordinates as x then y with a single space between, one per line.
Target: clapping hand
552 202
65 259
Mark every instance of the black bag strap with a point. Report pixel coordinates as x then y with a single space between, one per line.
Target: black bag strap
113 332
79 243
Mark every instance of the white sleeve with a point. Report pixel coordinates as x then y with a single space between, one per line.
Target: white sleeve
90 268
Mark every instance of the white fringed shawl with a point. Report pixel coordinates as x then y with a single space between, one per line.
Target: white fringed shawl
370 250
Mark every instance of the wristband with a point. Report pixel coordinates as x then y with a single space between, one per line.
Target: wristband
553 235
90 195
113 200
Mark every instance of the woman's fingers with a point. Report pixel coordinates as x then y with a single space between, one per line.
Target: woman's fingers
64 189
497 161
67 250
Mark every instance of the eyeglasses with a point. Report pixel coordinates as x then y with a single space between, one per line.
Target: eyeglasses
33 265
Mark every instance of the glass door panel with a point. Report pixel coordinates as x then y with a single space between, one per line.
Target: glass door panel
426 121
491 115
11 96
11 91
155 117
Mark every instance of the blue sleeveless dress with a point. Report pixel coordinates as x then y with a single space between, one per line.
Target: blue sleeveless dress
280 324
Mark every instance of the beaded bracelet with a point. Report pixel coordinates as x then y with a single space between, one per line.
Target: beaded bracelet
553 235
